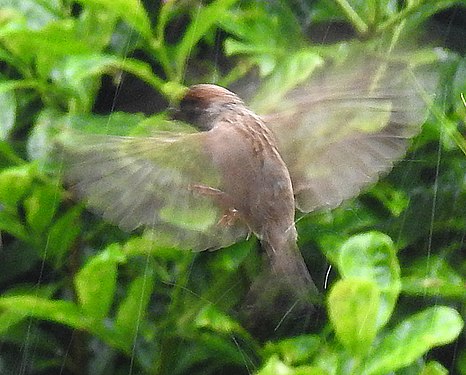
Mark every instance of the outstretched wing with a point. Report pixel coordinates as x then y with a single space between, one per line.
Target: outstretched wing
165 182
338 133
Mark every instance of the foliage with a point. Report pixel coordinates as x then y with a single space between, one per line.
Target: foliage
79 296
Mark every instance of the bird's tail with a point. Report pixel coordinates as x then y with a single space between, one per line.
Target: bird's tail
284 295
288 265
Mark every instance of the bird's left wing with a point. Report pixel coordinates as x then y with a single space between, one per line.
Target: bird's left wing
340 132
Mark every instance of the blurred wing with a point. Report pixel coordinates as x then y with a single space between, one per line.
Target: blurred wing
340 132
136 181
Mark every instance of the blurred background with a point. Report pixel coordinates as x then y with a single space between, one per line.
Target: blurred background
79 296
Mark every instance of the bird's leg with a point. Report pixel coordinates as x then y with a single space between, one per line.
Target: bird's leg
223 200
229 217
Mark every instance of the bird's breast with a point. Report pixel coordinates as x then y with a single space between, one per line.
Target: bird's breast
253 174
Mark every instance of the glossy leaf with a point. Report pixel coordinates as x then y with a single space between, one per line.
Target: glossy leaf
131 11
433 277
133 308
79 75
11 223
371 256
10 317
210 317
296 350
96 282
413 337
274 366
41 206
15 182
353 305
8 155
47 46
37 14
266 31
63 312
292 70
434 368
62 234
203 19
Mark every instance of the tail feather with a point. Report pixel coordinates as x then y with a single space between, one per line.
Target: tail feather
288 265
283 297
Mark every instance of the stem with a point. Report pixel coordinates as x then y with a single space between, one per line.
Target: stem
354 18
402 15
240 70
168 337
158 46
450 126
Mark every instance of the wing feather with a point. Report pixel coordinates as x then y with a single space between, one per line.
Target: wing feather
147 181
340 132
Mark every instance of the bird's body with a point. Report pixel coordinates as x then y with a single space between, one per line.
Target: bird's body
256 185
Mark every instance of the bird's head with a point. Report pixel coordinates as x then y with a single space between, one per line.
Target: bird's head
202 105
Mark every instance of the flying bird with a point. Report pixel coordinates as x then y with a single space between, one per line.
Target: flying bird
235 172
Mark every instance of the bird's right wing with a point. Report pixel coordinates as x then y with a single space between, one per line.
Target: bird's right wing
165 182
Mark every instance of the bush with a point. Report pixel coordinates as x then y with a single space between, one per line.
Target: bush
80 296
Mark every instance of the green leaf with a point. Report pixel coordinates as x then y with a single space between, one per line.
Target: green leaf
62 234
371 256
9 318
130 11
98 27
7 113
296 350
413 337
433 277
293 69
266 30
8 155
210 317
230 259
353 305
118 123
133 308
37 13
203 19
10 222
96 282
63 312
47 46
41 206
79 75
220 349
15 183
274 366
394 200
461 362
434 368
309 370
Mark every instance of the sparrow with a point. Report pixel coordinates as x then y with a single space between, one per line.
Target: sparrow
232 172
